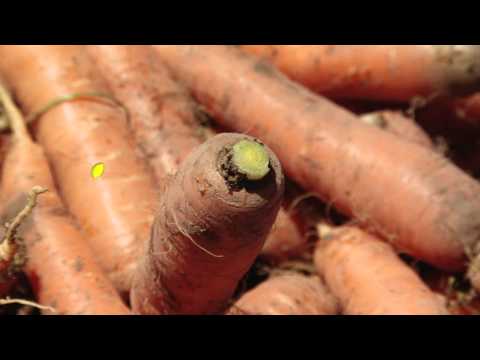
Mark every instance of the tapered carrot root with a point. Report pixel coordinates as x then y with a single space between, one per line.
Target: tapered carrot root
114 211
166 121
287 295
431 208
212 222
377 72
399 125
368 278
60 265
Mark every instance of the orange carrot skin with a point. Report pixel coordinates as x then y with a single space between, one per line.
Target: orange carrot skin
198 209
368 278
165 119
290 294
60 265
430 211
377 72
115 211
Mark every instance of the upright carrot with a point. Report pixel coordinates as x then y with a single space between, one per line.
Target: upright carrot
166 121
290 294
212 222
432 206
115 211
377 72
60 265
368 278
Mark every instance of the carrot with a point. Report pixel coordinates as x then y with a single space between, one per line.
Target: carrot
290 294
368 278
212 221
115 211
431 208
166 121
396 123
377 72
60 265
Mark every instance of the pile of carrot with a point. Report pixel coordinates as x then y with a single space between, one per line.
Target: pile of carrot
240 180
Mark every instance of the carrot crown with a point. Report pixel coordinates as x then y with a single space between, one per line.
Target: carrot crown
251 159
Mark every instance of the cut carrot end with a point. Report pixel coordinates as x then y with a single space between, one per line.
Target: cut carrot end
251 159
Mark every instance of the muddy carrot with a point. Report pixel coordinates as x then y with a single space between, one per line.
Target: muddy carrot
213 219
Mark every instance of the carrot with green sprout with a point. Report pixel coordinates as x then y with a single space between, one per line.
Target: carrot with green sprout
79 125
212 222
377 72
431 208
60 265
